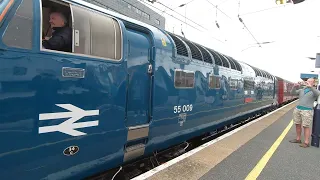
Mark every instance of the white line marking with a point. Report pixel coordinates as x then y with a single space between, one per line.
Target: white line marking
183 156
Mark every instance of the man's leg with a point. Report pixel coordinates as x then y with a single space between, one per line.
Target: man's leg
306 135
297 121
298 131
307 117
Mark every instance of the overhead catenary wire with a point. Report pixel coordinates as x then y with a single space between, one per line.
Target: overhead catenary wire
172 16
215 6
118 10
184 4
249 30
240 19
258 11
223 2
179 20
181 15
238 7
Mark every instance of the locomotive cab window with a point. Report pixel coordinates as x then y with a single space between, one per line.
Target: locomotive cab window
72 29
183 79
18 34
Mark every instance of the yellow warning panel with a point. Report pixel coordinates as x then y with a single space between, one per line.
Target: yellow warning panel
164 43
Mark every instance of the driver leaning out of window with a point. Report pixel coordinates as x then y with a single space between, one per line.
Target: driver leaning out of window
61 39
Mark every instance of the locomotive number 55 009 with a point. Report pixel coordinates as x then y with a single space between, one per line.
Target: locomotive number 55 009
184 108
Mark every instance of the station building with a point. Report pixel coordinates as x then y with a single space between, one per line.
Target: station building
134 9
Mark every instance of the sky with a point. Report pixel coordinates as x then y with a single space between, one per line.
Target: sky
293 29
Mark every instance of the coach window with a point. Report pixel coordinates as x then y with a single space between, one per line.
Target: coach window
19 31
214 82
96 34
184 79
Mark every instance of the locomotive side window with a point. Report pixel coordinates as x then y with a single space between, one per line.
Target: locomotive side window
19 31
189 79
233 83
4 8
214 82
184 79
95 38
91 33
248 84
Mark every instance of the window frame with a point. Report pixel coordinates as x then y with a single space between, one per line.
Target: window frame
70 4
236 81
157 21
6 21
251 81
5 10
217 77
186 71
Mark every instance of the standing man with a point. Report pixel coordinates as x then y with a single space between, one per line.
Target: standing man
303 113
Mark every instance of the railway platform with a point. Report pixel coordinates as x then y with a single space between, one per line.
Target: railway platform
257 150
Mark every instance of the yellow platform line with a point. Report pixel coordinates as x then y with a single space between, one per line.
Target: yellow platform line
262 163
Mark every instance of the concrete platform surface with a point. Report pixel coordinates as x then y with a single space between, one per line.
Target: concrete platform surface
289 161
234 156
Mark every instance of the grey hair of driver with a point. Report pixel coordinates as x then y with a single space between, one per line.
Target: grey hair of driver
61 15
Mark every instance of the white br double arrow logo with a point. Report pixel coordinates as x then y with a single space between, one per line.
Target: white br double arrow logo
69 126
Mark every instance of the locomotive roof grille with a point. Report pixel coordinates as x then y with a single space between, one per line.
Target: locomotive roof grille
264 73
269 75
224 60
258 72
180 46
206 56
217 59
233 66
255 70
203 53
195 52
235 63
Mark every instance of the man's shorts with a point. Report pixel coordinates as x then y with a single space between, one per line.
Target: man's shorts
304 116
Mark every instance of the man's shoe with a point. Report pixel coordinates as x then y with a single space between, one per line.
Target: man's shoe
295 141
304 145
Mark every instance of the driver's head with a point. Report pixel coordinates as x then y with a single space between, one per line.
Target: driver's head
57 19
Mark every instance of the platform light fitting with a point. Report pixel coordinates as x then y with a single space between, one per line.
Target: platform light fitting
288 1
317 61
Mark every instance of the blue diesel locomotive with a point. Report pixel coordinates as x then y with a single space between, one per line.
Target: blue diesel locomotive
126 90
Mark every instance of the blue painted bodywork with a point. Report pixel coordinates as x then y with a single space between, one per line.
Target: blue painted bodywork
306 76
31 83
